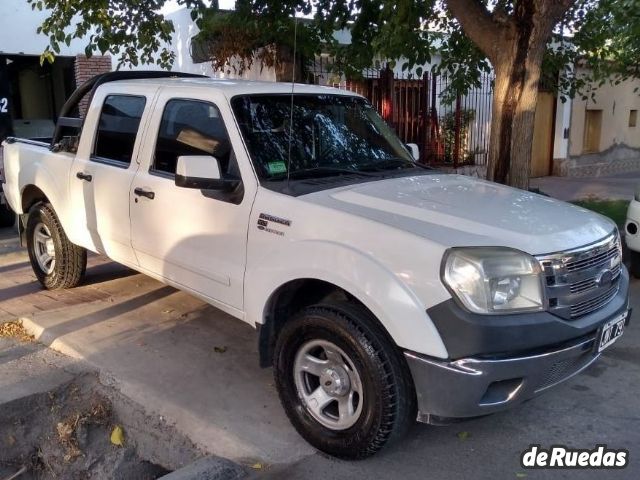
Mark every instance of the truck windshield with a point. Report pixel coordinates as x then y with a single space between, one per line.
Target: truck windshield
328 135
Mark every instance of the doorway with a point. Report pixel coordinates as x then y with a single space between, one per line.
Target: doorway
543 133
36 93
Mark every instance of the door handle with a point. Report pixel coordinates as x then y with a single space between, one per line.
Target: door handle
144 193
84 176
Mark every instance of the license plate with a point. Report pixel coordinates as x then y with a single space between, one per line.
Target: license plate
611 331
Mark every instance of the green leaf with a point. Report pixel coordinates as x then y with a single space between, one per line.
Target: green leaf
103 45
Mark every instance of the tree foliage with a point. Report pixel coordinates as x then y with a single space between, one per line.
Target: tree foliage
603 36
601 44
131 30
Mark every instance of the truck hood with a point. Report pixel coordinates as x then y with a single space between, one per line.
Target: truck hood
455 210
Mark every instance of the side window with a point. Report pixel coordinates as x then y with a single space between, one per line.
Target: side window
118 127
192 127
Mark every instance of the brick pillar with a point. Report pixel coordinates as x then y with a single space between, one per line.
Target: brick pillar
85 68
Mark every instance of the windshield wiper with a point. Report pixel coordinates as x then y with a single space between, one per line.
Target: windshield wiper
315 172
390 164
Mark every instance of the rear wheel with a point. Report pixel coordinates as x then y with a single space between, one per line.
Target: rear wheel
343 384
634 266
57 262
7 217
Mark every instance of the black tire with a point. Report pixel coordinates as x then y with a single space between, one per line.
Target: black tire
7 217
70 259
388 400
634 265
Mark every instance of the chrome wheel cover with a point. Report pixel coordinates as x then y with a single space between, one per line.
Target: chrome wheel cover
44 249
328 384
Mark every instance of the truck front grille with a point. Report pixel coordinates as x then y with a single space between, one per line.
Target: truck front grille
580 281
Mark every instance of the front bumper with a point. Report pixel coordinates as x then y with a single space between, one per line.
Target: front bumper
481 385
473 387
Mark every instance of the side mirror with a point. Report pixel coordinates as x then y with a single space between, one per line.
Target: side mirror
202 172
415 151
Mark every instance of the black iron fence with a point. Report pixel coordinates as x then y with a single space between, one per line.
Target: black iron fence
451 130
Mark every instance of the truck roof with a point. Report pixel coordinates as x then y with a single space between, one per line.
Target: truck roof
231 88
180 81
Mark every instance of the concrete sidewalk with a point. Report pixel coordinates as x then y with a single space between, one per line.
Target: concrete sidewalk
616 187
184 360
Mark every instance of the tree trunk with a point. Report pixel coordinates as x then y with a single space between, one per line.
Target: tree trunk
513 115
515 43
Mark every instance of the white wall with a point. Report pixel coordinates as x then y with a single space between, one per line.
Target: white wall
615 101
18 25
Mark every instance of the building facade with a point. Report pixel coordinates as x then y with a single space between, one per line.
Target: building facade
604 133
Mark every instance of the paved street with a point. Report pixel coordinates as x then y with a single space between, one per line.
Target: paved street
614 187
197 368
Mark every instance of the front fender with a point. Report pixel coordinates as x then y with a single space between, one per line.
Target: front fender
378 288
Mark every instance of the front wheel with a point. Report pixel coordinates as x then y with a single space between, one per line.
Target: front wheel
57 262
343 384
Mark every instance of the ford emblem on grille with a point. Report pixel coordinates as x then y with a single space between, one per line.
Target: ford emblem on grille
584 279
604 278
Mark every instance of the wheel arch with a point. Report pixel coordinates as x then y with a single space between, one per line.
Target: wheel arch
44 192
32 195
291 297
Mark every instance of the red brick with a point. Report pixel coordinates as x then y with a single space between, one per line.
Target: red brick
85 68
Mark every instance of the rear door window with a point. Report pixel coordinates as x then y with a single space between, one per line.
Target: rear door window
118 127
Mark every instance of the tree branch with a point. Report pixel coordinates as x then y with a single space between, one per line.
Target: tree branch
478 24
559 8
550 13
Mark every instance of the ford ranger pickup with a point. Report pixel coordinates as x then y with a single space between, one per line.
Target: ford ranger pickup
383 292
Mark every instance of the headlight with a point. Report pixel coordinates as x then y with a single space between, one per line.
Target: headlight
494 280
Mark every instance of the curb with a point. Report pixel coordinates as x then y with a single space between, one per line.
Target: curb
41 335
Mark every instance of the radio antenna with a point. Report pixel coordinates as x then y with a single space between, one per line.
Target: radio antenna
293 83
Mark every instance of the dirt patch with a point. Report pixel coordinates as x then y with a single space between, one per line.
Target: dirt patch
15 330
69 433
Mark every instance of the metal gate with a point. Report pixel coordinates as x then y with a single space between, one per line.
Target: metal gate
450 130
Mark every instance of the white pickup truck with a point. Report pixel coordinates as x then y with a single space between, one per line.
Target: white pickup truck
383 291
